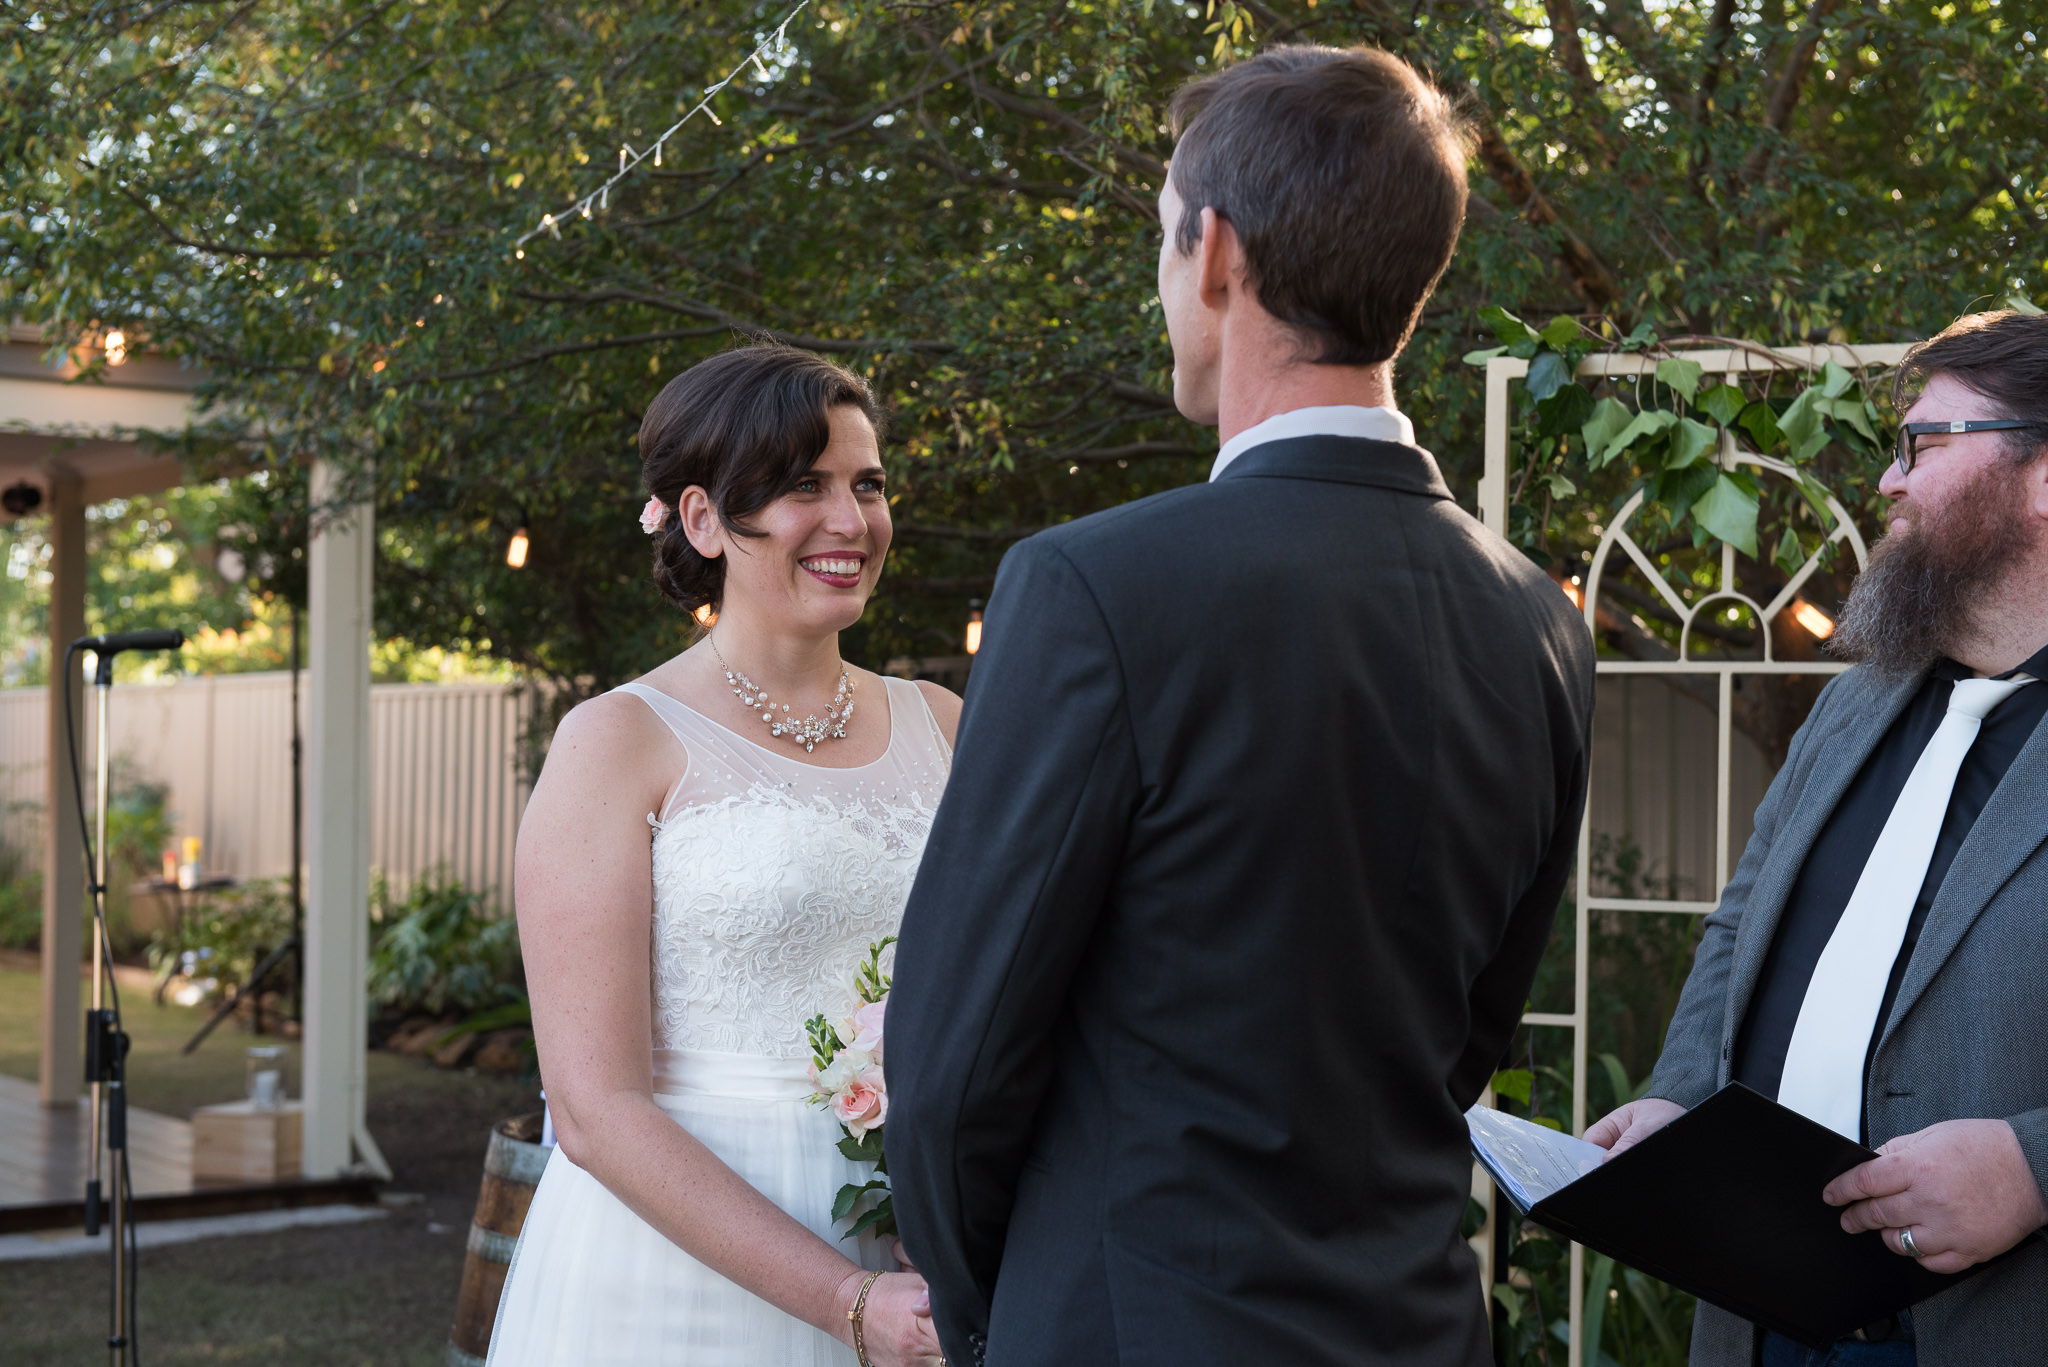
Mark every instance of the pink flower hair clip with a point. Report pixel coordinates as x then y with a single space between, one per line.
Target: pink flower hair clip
653 515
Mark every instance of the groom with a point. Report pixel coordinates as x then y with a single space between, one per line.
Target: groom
1265 795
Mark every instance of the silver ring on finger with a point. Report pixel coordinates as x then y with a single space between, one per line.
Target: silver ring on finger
1906 1244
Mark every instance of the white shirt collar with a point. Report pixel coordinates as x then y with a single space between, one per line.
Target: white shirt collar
1335 420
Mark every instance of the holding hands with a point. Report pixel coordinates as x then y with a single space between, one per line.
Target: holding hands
889 1319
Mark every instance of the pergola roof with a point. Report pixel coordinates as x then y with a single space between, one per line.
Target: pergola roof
51 424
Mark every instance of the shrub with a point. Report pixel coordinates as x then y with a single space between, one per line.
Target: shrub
439 950
229 932
21 901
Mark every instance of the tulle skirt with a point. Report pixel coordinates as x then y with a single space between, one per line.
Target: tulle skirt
593 1284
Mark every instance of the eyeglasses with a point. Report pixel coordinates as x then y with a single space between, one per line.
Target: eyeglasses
1908 449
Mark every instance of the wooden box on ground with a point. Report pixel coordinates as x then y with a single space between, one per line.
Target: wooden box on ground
239 1143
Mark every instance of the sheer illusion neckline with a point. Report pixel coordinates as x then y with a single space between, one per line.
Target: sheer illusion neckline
888 695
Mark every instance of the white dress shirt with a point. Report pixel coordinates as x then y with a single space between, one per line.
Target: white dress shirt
1334 420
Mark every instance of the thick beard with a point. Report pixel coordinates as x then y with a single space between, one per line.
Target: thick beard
1925 586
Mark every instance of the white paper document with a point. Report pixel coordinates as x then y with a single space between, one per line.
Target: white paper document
1528 1160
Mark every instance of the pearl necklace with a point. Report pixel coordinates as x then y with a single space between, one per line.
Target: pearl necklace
813 728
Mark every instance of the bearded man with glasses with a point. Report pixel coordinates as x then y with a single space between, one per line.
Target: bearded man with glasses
1879 961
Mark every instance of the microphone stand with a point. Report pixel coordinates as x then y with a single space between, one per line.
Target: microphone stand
106 1043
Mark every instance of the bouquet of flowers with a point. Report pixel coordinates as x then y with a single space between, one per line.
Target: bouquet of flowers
846 1068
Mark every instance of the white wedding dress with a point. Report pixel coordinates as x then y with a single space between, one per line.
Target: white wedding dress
772 876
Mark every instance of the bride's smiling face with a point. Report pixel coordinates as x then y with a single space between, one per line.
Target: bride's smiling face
822 543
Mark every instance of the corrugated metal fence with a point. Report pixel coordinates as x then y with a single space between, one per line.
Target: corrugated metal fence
1653 785
446 790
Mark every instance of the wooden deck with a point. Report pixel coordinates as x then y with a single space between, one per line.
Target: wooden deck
43 1169
42 1152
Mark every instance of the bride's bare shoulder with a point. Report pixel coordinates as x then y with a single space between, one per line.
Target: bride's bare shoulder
608 736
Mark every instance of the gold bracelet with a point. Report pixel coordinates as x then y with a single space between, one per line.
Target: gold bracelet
853 1316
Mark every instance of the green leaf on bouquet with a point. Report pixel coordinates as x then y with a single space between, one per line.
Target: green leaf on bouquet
849 1196
866 1149
1728 510
882 1220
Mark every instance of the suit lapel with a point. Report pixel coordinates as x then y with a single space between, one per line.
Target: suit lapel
1872 703
2006 834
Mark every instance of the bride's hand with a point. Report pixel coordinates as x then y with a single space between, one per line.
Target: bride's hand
896 1323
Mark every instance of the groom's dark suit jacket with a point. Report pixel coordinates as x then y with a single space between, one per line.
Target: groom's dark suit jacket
1265 794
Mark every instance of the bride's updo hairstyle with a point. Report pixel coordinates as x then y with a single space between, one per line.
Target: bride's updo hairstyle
745 426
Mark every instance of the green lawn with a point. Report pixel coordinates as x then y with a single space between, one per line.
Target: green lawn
159 1077
378 1294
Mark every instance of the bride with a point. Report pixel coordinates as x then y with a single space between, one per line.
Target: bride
707 855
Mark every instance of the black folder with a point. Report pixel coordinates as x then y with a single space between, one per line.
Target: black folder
1724 1202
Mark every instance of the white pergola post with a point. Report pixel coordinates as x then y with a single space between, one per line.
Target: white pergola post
338 831
60 1064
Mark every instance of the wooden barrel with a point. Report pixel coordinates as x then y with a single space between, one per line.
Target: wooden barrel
512 1168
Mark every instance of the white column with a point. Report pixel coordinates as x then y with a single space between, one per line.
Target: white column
337 829
63 1023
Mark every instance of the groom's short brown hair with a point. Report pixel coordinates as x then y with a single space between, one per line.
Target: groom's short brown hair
1343 172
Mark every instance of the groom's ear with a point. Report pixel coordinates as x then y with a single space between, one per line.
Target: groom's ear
1220 253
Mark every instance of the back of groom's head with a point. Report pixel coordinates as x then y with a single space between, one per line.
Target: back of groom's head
1343 173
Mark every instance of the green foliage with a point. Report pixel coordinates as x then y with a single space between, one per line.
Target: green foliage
227 933
1637 963
1666 437
319 204
138 831
438 949
1628 1317
21 900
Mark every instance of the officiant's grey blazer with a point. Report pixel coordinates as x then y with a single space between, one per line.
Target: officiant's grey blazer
1967 1036
1265 794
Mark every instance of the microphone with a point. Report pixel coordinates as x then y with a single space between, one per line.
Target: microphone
113 643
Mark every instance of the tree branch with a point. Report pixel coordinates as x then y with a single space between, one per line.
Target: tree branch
692 308
1627 24
1791 81
1590 276
219 248
1060 118
550 353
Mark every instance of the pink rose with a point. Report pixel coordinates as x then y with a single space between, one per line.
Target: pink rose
653 515
863 1103
867 1028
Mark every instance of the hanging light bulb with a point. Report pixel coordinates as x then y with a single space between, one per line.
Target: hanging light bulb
515 553
973 626
1813 619
117 347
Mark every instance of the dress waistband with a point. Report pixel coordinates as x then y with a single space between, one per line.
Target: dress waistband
753 1077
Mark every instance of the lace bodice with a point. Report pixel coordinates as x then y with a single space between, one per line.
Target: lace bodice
772 876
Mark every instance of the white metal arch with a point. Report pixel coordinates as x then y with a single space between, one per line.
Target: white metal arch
1731 363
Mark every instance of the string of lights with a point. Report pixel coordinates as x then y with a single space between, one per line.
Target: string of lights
600 198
